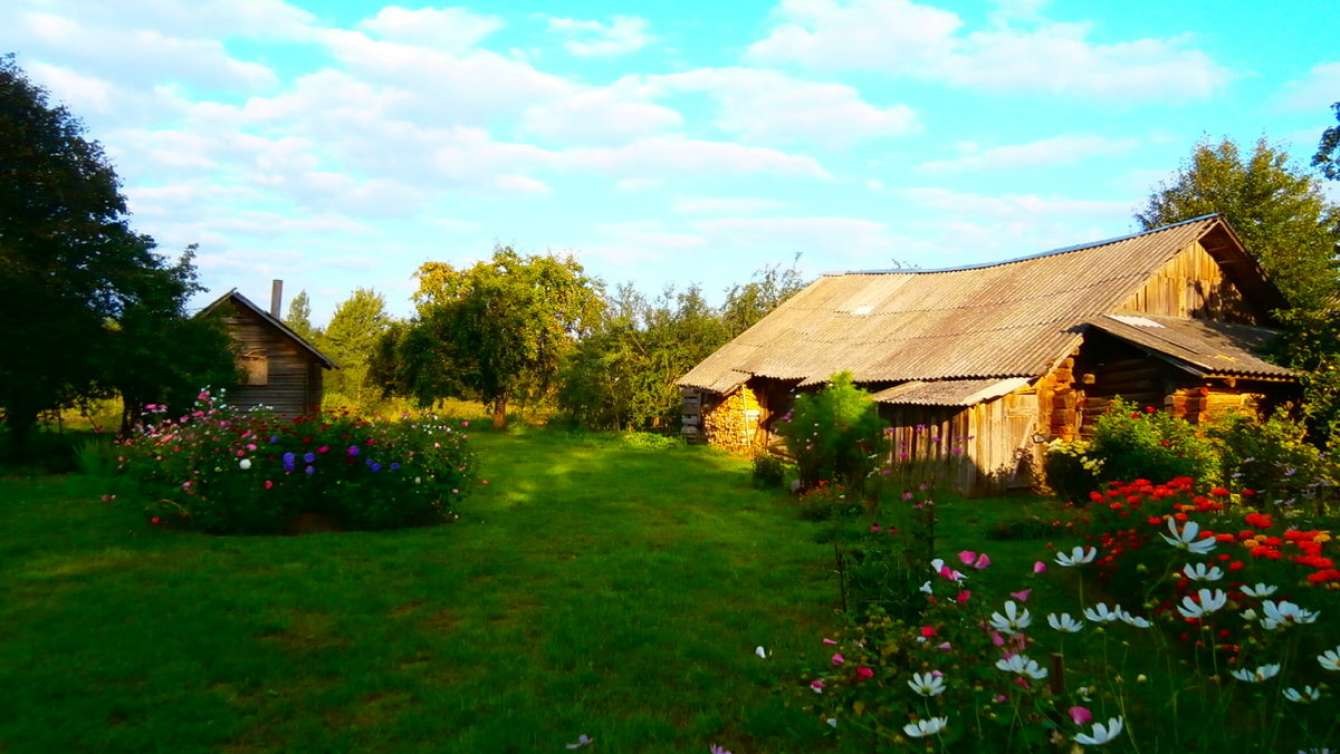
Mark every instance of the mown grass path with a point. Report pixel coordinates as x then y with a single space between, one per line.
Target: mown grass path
589 587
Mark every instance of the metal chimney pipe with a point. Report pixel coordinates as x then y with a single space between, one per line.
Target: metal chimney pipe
277 299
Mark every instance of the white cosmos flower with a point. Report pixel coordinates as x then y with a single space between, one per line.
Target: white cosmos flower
1259 591
1285 614
1013 621
927 684
1100 614
244 464
1209 602
1021 665
761 652
938 566
1064 623
1330 659
923 728
1307 695
926 587
1248 615
1132 620
1261 673
1186 538
1198 572
1101 733
1077 556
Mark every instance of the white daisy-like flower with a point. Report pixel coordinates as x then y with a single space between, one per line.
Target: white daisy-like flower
761 652
1285 614
927 684
1330 659
1198 572
923 728
1021 665
926 587
1259 591
1077 556
1013 621
1101 733
1209 602
1132 620
244 464
1260 674
1306 695
1248 615
1186 538
1064 623
1101 614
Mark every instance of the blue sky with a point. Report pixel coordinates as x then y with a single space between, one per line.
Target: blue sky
338 145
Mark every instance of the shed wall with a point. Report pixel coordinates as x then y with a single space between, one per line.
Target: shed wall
294 380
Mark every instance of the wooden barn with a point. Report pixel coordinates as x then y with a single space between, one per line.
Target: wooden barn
277 367
992 361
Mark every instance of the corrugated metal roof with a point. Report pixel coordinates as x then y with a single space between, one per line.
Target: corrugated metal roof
1011 319
949 392
1208 347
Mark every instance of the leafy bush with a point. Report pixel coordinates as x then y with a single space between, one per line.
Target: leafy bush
1071 472
1133 443
835 434
96 456
225 471
1272 458
824 501
769 471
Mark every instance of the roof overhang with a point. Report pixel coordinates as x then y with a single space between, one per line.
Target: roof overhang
951 393
1203 348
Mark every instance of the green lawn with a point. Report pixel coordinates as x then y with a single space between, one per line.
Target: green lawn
589 587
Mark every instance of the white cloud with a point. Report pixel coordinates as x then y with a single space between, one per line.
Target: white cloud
695 205
1008 205
611 113
80 92
521 184
1054 150
449 29
586 38
766 105
637 183
1315 91
906 38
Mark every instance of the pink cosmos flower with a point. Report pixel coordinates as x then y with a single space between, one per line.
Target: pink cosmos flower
1022 594
979 561
998 698
829 642
1080 715
817 685
997 639
864 673
874 527
967 556
944 646
963 596
1039 567
838 659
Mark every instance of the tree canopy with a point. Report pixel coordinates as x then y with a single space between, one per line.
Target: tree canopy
358 323
299 318
1327 158
111 311
1278 209
497 330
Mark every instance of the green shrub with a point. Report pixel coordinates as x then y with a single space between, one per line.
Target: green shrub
1132 443
1071 472
824 501
1272 458
769 471
96 456
650 440
835 434
226 471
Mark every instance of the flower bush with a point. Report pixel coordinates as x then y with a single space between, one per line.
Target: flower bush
1273 458
222 470
1208 626
835 435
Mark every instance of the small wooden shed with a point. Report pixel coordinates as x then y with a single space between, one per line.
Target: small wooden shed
989 362
277 367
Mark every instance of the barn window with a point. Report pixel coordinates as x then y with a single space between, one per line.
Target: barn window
255 367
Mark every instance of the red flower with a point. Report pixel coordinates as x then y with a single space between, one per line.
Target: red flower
269 484
1259 520
864 673
155 520
928 631
1150 409
1219 492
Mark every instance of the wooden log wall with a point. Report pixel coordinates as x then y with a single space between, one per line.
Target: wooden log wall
732 423
1060 401
1193 284
290 389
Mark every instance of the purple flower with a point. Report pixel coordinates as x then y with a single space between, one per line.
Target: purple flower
353 450
374 467
309 457
310 470
289 460
274 439
395 467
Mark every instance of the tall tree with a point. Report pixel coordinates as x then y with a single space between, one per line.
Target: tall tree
358 323
1327 158
748 303
496 331
299 318
68 259
1278 209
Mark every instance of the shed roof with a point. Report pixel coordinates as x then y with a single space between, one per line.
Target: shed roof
948 392
1008 319
273 322
1200 346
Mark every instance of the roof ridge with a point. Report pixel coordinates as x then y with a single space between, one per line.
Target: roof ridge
1039 255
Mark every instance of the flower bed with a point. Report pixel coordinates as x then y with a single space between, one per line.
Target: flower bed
1209 626
227 471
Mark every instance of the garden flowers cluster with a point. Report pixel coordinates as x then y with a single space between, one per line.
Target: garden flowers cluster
1197 640
219 469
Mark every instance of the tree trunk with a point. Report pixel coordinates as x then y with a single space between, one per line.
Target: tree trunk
21 422
500 412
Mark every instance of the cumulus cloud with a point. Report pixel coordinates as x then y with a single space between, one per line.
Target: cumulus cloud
1316 90
587 38
906 38
452 29
1054 150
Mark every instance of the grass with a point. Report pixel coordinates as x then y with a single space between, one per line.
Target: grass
589 587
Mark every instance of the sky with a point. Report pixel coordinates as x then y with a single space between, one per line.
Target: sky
342 144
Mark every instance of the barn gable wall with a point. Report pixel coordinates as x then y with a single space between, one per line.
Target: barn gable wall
294 379
1193 284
